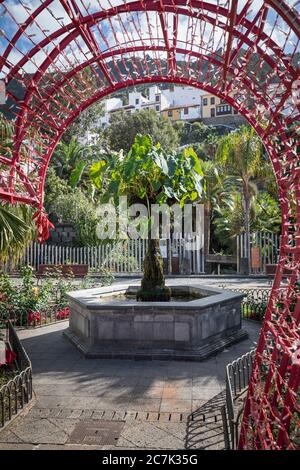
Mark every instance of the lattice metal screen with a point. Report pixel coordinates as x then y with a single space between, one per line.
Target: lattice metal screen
60 56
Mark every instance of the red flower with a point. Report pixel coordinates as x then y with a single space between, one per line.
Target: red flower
33 317
63 314
10 356
3 297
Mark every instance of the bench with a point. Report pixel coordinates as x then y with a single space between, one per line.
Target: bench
271 270
220 259
77 270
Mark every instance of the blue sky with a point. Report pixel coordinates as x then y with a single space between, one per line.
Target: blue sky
52 19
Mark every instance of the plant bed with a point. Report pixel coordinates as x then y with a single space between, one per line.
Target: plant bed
34 302
15 378
6 378
6 374
254 310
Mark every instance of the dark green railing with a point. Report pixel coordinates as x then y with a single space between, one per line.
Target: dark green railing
254 303
17 392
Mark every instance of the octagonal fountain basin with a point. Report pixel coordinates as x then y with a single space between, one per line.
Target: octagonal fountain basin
198 322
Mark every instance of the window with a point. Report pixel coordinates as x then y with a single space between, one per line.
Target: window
170 113
204 101
186 111
224 109
157 108
212 112
157 98
137 101
212 100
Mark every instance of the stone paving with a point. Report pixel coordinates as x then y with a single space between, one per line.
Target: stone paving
164 404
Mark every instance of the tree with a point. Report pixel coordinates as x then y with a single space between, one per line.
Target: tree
267 214
149 175
219 186
71 205
66 157
54 188
240 153
16 230
6 135
16 226
230 222
193 133
124 127
70 160
87 121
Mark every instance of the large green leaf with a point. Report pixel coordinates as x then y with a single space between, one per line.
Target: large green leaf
172 165
130 168
14 231
96 172
168 190
142 145
76 173
161 162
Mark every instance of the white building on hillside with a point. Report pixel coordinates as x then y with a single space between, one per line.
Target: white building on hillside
183 96
159 100
109 105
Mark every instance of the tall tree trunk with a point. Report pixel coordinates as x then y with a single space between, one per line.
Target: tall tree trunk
247 221
207 219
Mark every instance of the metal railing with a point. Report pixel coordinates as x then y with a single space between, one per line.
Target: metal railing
17 392
268 245
48 316
237 379
254 303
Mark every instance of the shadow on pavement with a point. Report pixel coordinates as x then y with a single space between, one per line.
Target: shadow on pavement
205 426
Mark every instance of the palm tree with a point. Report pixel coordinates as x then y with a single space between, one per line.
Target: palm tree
241 154
16 226
219 188
71 160
16 230
66 157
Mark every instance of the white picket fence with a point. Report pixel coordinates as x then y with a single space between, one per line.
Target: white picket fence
126 256
268 243
122 257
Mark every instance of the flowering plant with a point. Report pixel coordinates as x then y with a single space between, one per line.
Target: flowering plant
63 314
33 317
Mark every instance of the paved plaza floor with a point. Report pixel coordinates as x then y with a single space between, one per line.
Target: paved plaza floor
154 404
164 404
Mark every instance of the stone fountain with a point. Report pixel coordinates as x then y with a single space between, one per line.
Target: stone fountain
198 322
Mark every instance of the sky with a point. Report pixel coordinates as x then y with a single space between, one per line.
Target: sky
192 32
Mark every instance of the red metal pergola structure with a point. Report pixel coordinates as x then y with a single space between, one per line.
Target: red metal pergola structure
60 56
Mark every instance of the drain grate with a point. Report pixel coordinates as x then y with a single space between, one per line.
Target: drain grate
96 432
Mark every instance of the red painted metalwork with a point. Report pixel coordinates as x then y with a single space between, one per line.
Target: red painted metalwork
60 56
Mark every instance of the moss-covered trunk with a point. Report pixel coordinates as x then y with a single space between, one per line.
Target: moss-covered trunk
153 286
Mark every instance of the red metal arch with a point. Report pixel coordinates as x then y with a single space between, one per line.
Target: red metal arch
114 88
248 58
